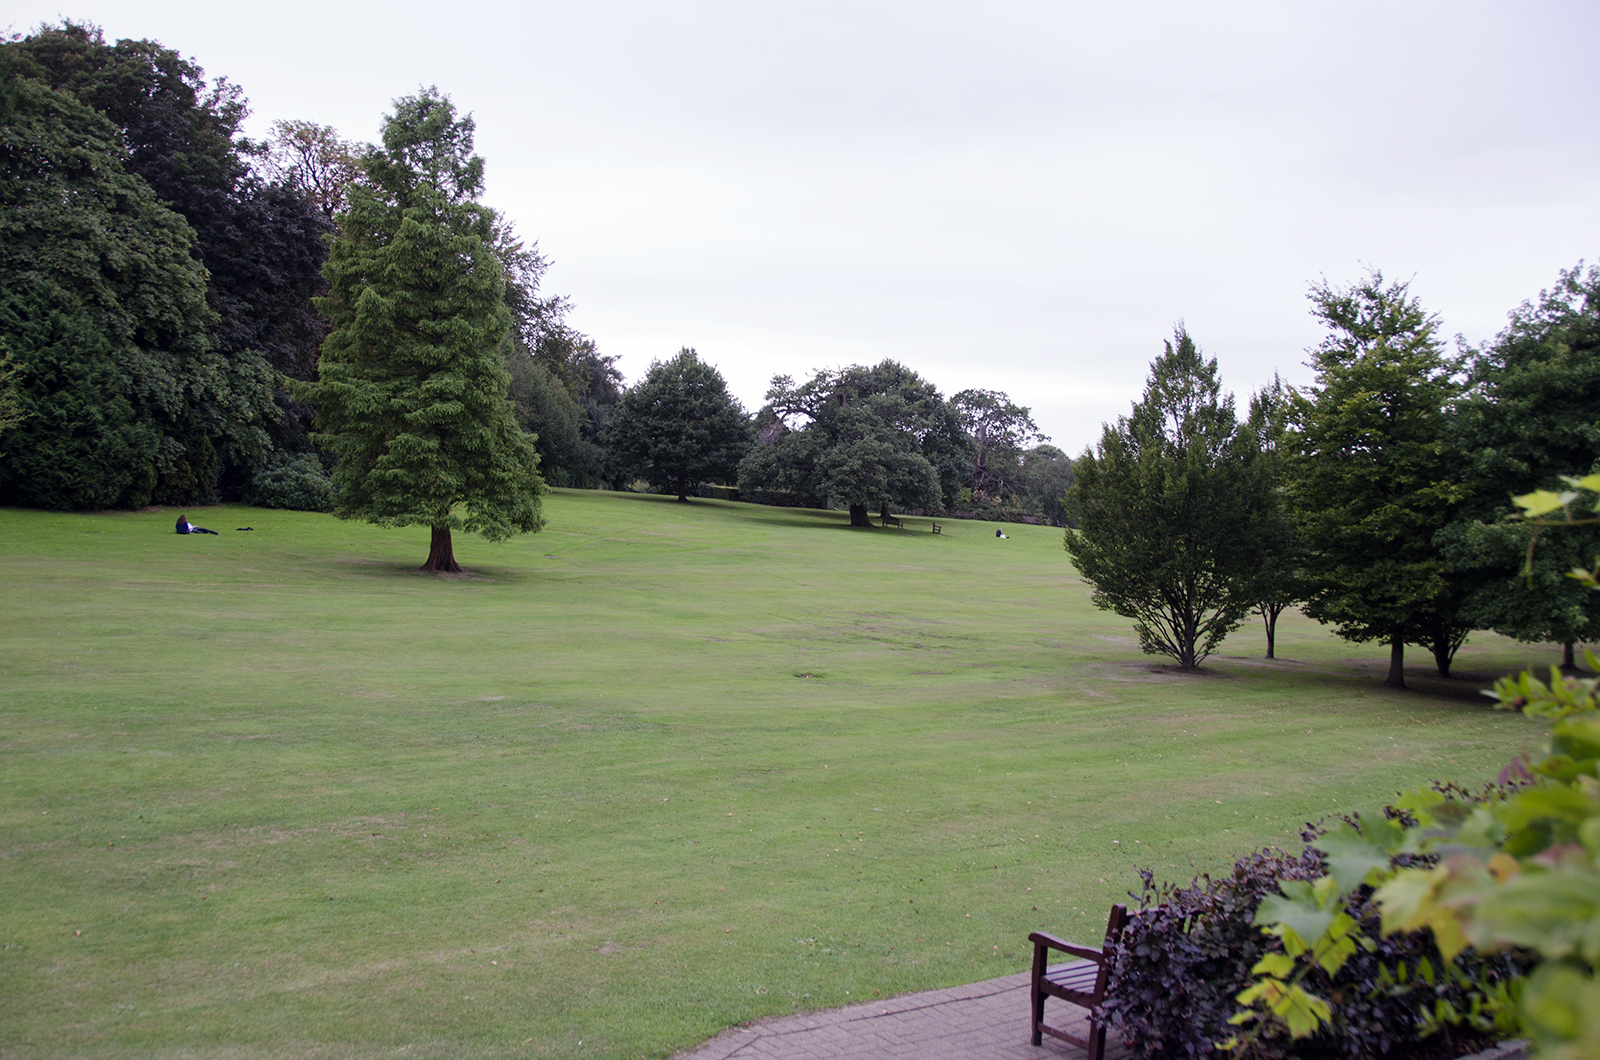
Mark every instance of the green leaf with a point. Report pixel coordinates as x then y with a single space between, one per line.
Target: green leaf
1587 482
1303 1012
1542 502
1276 964
1555 913
1353 858
1299 915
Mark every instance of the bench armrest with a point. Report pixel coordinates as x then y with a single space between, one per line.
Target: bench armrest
1046 940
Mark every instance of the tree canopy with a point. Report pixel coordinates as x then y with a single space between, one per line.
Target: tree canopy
868 438
122 395
678 427
1165 506
1279 580
412 392
1000 431
1373 475
260 242
1529 418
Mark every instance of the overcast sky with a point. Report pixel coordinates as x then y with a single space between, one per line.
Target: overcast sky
1016 196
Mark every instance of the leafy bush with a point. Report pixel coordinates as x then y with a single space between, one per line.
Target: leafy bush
297 483
1191 950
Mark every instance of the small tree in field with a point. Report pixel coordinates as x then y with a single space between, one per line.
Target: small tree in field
679 427
412 394
1166 509
1278 580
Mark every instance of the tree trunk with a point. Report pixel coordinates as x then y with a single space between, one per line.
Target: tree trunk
858 515
1441 657
441 557
1445 647
883 514
1397 663
1569 658
683 491
1269 615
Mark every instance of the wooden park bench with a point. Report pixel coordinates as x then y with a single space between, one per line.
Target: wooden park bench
890 520
1082 982
938 529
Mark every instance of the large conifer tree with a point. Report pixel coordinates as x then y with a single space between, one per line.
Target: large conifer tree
412 388
1373 475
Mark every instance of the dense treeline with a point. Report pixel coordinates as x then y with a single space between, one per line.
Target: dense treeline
158 278
1377 498
162 276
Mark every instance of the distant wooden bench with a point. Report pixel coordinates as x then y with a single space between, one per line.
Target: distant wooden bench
1082 982
938 529
890 520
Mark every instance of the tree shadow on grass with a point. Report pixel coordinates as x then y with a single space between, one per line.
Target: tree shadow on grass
481 574
768 514
1357 673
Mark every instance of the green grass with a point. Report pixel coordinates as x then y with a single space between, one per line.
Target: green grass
654 771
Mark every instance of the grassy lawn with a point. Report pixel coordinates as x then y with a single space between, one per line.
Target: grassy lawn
654 771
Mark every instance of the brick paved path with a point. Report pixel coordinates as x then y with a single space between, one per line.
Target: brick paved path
988 1019
978 1021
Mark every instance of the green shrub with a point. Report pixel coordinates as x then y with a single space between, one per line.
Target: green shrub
296 482
1190 951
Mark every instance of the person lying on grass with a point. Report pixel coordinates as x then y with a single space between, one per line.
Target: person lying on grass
186 527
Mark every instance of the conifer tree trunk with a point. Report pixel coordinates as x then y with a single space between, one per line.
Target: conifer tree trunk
883 513
1397 663
1569 660
441 556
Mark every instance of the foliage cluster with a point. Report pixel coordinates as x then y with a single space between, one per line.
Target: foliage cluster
1519 869
1191 950
297 482
1381 506
867 438
156 286
679 427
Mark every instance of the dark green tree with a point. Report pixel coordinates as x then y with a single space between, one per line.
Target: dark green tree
546 409
1373 476
1000 430
1165 506
866 438
1046 476
412 393
1529 418
1279 583
123 396
261 242
562 389
678 427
